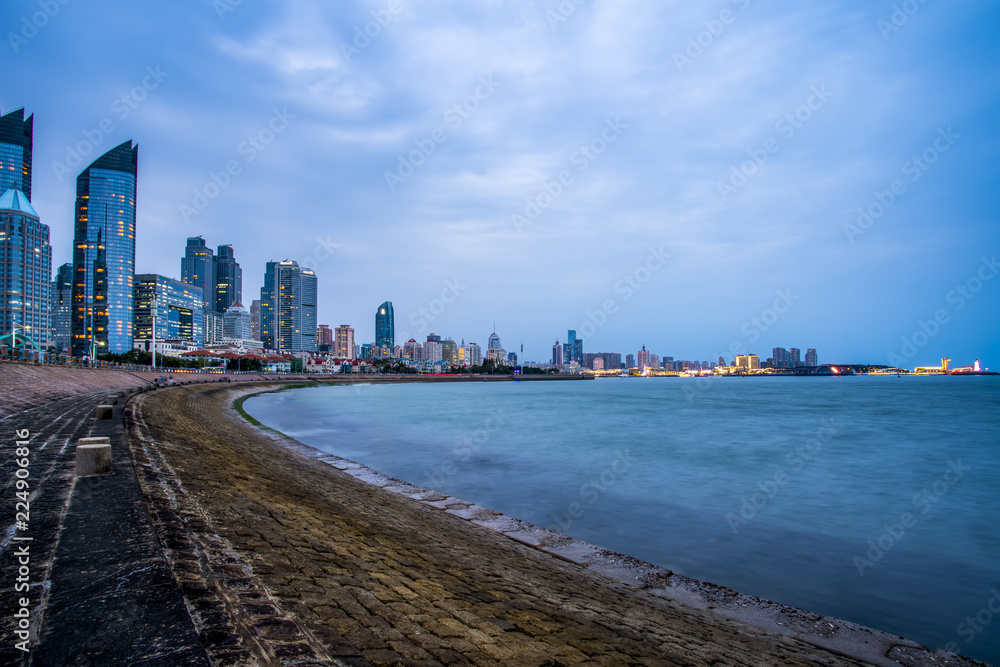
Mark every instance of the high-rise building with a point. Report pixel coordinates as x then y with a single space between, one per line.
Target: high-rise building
575 347
15 152
343 342
288 307
811 359
104 253
643 359
473 354
753 361
198 269
449 351
236 323
557 354
255 319
228 277
412 350
433 351
629 361
794 361
385 327
25 269
60 306
324 338
178 312
494 352
780 357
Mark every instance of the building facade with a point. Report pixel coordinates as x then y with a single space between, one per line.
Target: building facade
15 152
177 312
324 338
811 359
236 323
198 269
104 253
60 306
255 318
343 342
25 269
288 307
385 326
228 278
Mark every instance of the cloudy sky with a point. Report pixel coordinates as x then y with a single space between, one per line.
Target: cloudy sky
699 177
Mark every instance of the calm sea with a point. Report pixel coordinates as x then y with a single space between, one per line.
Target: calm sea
873 499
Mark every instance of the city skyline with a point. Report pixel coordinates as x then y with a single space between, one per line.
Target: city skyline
650 196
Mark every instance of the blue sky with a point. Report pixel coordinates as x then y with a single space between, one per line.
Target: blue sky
683 175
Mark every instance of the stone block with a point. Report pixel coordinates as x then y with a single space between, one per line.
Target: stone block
93 459
105 412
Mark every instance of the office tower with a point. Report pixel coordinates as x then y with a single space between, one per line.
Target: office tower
288 307
236 323
449 351
494 351
255 319
15 152
324 338
60 306
104 253
575 347
556 354
794 361
343 342
228 278
198 268
178 312
643 359
25 269
811 357
385 328
473 354
629 361
567 352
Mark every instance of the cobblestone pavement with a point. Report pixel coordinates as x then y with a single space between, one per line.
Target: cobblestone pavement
285 560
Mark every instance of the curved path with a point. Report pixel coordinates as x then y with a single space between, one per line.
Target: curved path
282 557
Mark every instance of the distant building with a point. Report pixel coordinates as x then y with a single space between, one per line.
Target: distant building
473 354
629 361
324 338
60 305
228 278
557 354
343 342
385 326
198 269
288 307
643 359
412 350
255 318
811 359
794 360
433 351
25 269
575 347
780 357
449 352
494 351
512 359
15 152
753 361
214 327
104 253
178 311
236 323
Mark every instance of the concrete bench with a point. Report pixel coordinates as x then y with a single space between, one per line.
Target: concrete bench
93 456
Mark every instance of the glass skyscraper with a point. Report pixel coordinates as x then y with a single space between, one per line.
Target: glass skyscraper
104 253
179 312
228 279
288 307
198 269
25 269
385 327
60 306
15 152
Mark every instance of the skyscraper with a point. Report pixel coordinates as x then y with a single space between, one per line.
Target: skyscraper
811 359
385 328
255 319
25 269
556 354
343 342
198 269
60 306
288 307
643 359
794 361
236 323
228 278
15 152
104 253
324 338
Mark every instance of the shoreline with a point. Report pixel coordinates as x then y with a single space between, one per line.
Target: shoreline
837 635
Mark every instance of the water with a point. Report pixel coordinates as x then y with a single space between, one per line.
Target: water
873 499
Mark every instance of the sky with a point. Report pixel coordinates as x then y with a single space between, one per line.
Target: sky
704 179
